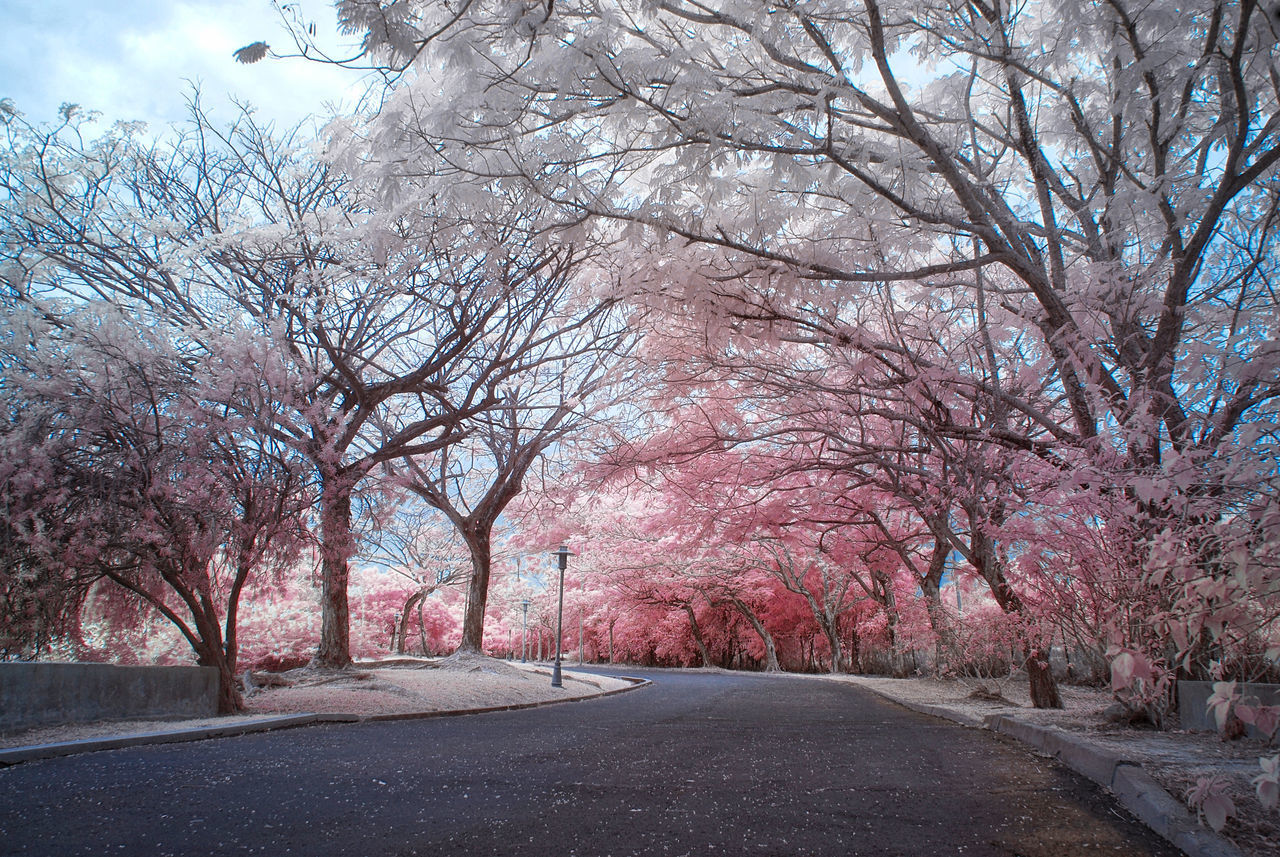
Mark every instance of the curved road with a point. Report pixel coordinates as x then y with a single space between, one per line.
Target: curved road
697 764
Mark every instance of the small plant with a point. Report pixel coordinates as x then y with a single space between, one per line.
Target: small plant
1228 705
1229 708
1143 686
1208 797
1268 782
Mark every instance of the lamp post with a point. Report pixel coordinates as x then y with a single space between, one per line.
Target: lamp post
563 555
524 632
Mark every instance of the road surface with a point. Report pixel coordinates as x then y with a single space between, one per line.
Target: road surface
697 764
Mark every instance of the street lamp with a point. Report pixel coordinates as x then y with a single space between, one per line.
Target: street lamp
563 554
524 632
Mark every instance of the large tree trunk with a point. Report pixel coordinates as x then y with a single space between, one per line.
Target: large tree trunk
203 632
478 590
1042 685
209 647
826 618
229 699
335 551
211 654
1044 688
883 586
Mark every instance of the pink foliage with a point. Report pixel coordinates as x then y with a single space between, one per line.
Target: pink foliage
1267 783
1208 796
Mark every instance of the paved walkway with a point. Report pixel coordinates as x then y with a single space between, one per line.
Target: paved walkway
695 764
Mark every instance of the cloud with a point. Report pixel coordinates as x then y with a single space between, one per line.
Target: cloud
131 60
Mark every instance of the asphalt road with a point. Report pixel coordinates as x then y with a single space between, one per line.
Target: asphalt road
697 764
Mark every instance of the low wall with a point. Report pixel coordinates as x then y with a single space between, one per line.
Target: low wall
40 694
1193 704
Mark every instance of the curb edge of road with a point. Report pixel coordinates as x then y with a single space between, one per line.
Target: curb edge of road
636 683
1135 789
17 755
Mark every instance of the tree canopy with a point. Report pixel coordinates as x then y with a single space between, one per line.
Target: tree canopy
856 336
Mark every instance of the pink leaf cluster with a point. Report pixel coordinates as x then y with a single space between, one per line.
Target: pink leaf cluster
1208 797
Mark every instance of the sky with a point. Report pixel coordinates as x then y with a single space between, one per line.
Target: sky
130 59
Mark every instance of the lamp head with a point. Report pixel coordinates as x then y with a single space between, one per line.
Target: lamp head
564 553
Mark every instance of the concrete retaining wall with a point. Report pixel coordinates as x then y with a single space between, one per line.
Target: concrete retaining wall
39 694
1193 703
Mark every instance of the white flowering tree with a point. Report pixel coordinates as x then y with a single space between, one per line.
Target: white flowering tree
1098 174
392 323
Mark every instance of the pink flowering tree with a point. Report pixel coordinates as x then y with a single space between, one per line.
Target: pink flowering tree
123 465
420 547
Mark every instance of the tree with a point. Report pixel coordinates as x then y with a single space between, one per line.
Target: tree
1098 174
415 545
122 464
1152 192
396 323
559 351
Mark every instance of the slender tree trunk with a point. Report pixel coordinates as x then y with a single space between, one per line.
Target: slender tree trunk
931 586
770 648
335 551
830 627
409 604
422 627
897 661
1042 685
244 565
697 635
855 650
477 540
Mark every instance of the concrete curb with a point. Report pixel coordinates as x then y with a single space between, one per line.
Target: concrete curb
1136 790
1078 754
1146 799
636 683
1133 787
16 755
